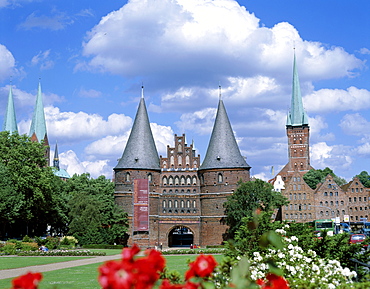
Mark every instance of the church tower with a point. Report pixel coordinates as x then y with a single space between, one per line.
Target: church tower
139 160
222 168
298 133
10 121
38 125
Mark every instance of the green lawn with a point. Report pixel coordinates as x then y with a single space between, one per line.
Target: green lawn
86 276
19 262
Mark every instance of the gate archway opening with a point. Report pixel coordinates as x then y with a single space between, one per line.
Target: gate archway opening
180 236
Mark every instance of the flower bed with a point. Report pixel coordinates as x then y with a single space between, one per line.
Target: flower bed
144 273
60 253
194 251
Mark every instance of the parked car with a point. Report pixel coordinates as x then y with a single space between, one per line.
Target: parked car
357 238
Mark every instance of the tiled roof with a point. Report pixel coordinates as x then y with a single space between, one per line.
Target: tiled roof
223 151
140 151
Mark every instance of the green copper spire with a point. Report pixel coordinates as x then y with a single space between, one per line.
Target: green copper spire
297 116
10 121
38 125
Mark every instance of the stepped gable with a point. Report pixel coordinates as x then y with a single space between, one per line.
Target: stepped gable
10 121
223 150
296 116
38 125
140 151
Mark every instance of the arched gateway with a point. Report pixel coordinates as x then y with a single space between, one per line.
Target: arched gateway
180 236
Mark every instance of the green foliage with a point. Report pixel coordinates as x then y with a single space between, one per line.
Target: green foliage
61 253
364 178
249 197
52 242
28 202
94 217
172 275
194 251
314 177
27 239
102 246
8 249
255 233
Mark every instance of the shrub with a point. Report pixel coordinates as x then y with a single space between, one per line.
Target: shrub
61 253
52 242
29 246
102 246
9 249
68 240
27 239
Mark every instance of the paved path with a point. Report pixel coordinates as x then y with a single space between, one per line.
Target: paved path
11 273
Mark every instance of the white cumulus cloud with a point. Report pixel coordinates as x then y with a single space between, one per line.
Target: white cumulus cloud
7 63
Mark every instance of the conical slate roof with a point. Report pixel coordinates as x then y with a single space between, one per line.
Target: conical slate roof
296 116
10 121
140 151
38 125
223 151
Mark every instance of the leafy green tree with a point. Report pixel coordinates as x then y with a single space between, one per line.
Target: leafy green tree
249 197
364 178
27 194
94 217
314 177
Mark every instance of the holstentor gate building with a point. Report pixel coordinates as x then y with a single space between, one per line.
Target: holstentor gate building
186 195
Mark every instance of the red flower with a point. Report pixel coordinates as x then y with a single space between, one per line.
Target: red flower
27 281
190 285
130 272
129 253
273 282
203 266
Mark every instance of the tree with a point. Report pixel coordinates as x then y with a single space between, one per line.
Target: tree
314 177
248 197
26 194
364 178
94 217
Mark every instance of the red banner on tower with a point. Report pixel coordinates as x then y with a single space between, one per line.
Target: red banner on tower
141 205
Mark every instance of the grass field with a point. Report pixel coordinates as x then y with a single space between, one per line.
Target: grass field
85 277
18 262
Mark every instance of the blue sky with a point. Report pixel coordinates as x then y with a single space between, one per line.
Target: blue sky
93 56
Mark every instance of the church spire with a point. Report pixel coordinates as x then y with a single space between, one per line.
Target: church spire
223 151
56 158
10 121
140 151
296 116
38 125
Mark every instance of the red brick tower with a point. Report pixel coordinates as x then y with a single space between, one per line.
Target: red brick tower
139 161
298 132
222 168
